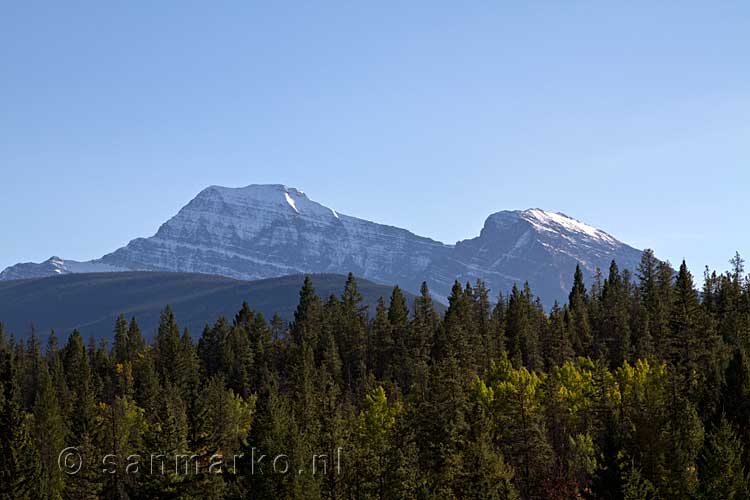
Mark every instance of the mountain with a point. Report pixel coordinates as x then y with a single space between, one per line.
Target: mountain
532 245
262 231
92 301
54 266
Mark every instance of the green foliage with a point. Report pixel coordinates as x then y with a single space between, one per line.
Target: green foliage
634 389
19 469
721 469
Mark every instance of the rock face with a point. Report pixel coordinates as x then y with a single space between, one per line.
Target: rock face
54 266
532 245
263 231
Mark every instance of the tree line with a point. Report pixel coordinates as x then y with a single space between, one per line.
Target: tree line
637 388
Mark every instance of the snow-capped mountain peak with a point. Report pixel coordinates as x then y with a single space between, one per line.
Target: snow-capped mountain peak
268 230
263 197
559 222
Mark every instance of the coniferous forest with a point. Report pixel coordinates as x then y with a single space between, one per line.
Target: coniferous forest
637 388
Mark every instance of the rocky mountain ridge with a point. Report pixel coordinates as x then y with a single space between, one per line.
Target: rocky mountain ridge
263 231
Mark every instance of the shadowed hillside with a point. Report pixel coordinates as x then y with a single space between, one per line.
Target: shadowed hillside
91 302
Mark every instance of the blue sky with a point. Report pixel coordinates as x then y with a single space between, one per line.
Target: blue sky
432 115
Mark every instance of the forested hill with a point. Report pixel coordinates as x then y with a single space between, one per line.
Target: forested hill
91 302
637 389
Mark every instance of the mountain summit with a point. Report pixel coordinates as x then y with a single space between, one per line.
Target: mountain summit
263 231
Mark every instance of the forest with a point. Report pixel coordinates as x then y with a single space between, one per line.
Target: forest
637 388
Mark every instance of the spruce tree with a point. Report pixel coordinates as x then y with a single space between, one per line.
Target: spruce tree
581 336
397 368
19 469
483 341
558 348
383 348
49 433
498 329
80 380
612 336
721 468
305 329
424 327
166 345
121 348
523 329
136 344
352 340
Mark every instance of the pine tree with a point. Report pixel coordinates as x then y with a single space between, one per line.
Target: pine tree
148 392
523 329
485 472
225 419
333 411
80 380
483 340
120 350
453 338
352 339
19 472
238 360
397 368
721 469
424 328
515 399
635 486
136 344
558 346
612 337
49 436
683 337
383 348
659 311
647 273
693 346
264 353
439 417
377 464
166 345
735 396
31 371
122 428
581 336
212 348
272 434
498 329
305 329
86 484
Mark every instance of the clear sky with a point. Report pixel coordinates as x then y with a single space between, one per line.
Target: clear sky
430 116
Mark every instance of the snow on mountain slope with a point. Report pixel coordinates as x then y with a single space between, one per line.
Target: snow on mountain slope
263 231
270 230
53 266
533 245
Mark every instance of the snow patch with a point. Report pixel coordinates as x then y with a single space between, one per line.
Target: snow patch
290 200
334 213
543 220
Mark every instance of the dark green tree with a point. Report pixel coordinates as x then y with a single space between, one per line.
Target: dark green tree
19 469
